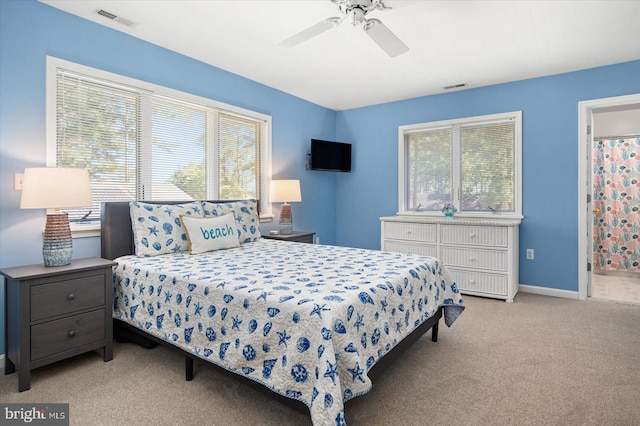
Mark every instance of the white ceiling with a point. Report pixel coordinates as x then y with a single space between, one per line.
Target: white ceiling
475 42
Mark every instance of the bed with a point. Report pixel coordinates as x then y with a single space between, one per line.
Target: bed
312 323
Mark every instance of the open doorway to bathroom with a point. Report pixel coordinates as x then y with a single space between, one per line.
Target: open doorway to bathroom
615 184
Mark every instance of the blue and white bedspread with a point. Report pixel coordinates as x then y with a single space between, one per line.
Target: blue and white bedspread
308 321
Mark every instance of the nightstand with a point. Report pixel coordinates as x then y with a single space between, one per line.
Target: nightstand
295 236
53 313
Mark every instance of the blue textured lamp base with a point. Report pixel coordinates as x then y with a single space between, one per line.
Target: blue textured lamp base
286 219
57 245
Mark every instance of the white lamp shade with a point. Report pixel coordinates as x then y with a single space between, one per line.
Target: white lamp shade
287 191
55 188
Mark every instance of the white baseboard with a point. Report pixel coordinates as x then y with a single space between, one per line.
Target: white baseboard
546 291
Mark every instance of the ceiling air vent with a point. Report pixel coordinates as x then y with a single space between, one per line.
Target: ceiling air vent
455 86
116 18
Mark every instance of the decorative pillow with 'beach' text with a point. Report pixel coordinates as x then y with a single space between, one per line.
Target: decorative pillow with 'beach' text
211 233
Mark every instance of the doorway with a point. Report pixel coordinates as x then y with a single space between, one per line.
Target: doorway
616 201
604 119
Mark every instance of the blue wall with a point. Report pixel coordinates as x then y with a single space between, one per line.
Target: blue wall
29 31
549 108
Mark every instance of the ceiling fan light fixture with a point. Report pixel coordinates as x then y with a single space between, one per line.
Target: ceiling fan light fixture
355 11
356 16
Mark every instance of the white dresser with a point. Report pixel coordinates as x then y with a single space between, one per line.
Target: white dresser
481 254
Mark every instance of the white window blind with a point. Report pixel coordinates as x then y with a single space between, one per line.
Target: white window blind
429 169
472 163
178 151
238 154
98 128
488 172
140 144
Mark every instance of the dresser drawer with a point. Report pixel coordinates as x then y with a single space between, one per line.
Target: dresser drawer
480 282
62 297
475 258
426 232
493 236
67 333
409 247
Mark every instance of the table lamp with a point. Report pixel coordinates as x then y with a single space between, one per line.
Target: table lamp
56 188
287 191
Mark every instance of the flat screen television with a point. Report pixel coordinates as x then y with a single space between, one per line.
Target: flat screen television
330 156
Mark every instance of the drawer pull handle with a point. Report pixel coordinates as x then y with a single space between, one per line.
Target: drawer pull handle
472 235
71 296
473 259
71 333
472 282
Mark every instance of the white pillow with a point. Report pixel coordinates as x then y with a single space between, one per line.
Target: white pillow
247 220
210 233
157 228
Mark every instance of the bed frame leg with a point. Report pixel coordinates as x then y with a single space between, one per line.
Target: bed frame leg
434 332
188 365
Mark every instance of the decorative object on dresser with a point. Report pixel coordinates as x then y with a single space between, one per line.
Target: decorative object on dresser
480 254
56 188
53 313
449 210
286 191
295 236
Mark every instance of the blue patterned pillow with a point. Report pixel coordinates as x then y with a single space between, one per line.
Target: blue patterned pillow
247 219
157 228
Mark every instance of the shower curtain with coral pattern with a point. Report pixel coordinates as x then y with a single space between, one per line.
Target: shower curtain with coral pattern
616 193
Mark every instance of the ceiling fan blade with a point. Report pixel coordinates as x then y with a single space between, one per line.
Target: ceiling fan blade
310 32
385 38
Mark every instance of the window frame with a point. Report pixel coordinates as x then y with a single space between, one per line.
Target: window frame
456 162
144 88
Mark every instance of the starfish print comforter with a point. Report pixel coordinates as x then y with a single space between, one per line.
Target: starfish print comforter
307 321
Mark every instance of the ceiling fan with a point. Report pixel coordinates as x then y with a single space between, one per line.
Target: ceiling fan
355 11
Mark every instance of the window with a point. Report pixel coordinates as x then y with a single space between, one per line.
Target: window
472 163
142 141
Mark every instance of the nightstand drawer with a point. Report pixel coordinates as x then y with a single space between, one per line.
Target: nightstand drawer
62 297
64 334
302 239
295 236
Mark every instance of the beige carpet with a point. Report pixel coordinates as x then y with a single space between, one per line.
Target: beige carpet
538 361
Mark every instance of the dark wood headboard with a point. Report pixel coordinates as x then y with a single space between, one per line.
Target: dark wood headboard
115 227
